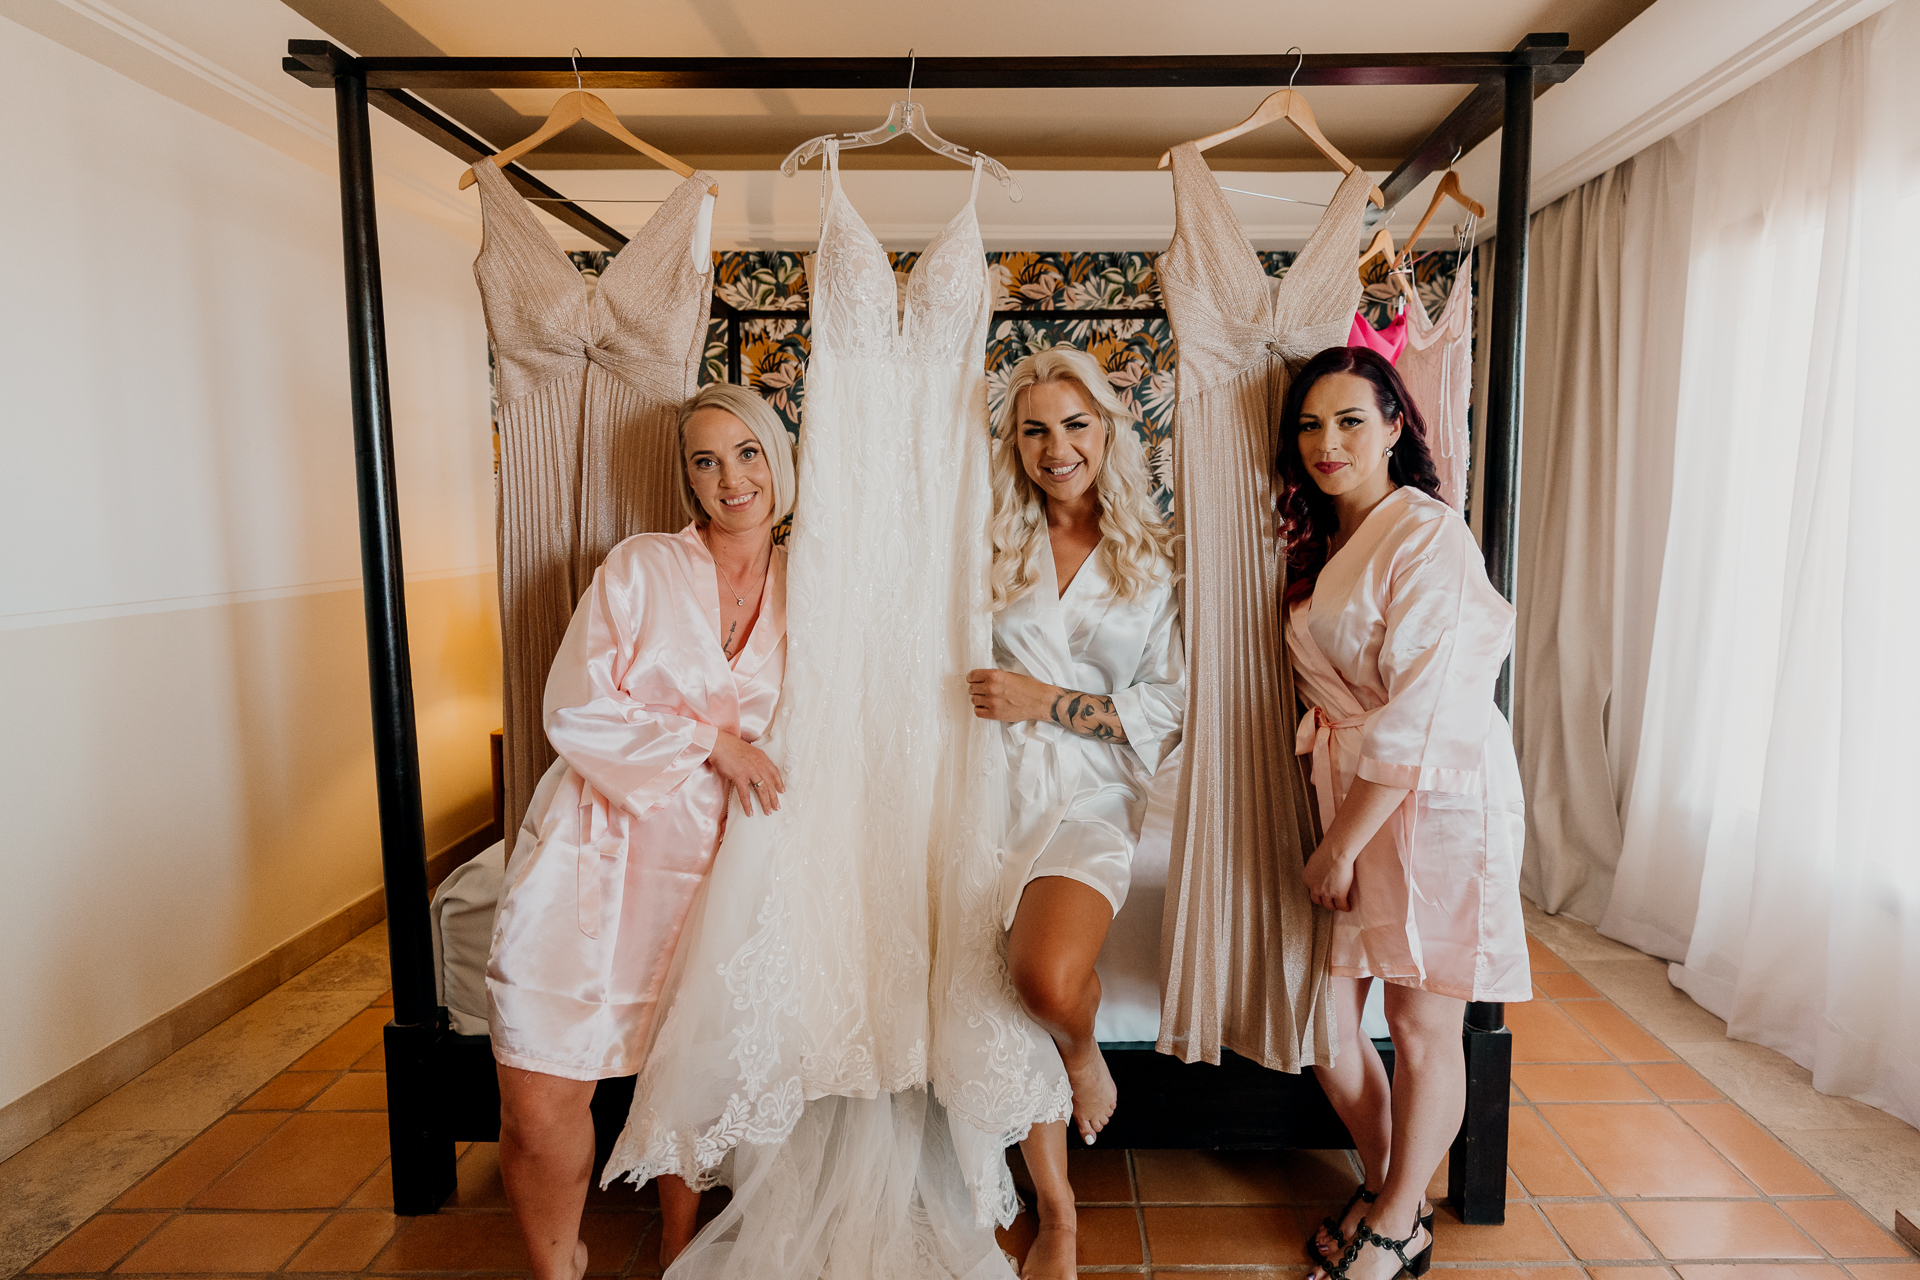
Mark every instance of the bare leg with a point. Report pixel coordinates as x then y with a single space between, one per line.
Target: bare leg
679 1214
546 1160
1429 1097
1056 936
1357 1086
1054 1249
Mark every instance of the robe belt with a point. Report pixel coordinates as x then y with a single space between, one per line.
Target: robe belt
603 834
1317 728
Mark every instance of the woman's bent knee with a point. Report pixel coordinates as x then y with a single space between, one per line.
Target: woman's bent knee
1051 993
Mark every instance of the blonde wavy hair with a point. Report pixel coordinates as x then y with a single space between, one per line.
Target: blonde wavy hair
745 404
1134 541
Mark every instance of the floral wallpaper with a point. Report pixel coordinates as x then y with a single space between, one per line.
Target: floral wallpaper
1046 289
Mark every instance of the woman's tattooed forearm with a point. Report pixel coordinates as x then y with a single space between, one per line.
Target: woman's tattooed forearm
1091 715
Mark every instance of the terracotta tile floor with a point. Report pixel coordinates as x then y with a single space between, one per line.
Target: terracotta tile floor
1626 1164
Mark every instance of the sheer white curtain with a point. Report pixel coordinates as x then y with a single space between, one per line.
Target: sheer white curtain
1769 844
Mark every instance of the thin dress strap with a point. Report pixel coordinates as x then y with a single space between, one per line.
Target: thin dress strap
975 192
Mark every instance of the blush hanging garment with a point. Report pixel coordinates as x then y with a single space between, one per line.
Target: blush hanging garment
1438 369
589 382
1389 342
1243 951
844 1047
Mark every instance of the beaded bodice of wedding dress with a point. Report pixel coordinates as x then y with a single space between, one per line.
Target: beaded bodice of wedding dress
848 947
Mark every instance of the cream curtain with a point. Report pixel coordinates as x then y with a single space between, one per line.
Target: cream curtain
1766 844
1605 292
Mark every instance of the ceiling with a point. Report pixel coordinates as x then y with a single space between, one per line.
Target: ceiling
1026 129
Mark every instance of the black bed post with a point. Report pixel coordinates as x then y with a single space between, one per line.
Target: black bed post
1477 1168
423 1167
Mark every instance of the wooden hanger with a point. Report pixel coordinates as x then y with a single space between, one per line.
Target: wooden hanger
571 110
1381 246
1449 186
1289 105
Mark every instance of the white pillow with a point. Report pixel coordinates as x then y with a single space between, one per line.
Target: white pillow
463 935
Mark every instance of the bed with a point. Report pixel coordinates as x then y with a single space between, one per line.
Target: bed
1164 1103
440 1082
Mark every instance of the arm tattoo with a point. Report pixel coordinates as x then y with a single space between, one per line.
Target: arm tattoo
1091 715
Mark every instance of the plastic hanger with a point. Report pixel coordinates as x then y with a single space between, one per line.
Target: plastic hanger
1290 105
908 118
571 110
1449 187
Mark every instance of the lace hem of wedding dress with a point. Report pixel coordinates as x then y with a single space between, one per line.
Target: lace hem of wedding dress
861 1188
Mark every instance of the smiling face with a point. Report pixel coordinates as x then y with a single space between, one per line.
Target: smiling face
729 472
1062 439
1343 438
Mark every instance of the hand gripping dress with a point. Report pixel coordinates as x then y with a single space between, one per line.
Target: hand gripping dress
1243 951
1396 653
590 382
844 1047
623 827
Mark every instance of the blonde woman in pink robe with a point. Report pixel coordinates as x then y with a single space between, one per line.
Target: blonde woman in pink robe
1397 638
669 672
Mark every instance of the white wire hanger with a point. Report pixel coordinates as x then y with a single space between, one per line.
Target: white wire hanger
909 118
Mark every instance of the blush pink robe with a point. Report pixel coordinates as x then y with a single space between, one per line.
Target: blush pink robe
1395 655
623 827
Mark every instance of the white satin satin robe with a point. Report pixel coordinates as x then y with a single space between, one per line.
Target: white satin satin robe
1395 656
623 827
1076 804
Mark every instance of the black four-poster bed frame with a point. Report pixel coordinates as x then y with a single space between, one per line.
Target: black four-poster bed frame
441 1086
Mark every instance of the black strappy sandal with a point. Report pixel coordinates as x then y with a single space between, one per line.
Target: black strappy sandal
1333 1220
1364 1235
1332 1223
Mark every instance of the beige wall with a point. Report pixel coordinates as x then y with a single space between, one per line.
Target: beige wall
185 753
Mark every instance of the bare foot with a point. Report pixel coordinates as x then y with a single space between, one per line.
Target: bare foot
1094 1094
1054 1255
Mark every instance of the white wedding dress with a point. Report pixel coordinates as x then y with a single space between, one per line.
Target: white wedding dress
843 1046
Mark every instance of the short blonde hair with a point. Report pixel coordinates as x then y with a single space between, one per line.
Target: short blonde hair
745 404
1134 540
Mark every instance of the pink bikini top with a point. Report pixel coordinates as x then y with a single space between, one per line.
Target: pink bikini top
1389 342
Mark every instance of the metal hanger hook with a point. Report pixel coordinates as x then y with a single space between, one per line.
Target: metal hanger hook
911 63
1297 64
1456 157
577 82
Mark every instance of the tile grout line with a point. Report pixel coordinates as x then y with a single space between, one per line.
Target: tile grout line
1835 1194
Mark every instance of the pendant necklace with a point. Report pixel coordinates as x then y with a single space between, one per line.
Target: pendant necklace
739 601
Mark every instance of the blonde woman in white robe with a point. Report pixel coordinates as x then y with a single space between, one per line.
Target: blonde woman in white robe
1090 685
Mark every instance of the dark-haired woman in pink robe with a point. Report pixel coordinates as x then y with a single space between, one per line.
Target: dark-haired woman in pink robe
1397 639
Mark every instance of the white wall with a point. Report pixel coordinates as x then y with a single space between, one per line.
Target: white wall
186 762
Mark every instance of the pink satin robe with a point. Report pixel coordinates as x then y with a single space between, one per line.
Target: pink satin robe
622 830
1395 655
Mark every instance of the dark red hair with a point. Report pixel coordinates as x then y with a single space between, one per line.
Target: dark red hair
1307 518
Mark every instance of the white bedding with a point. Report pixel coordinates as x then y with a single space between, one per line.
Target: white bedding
1129 965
